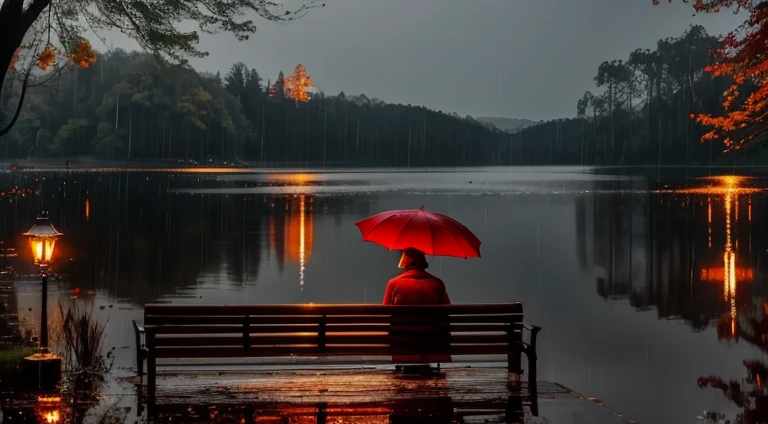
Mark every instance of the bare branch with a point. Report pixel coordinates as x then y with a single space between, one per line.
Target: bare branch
16 114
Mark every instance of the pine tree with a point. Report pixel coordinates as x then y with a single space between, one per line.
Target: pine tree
278 89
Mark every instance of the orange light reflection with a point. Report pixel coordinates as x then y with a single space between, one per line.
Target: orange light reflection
87 208
709 222
297 232
716 274
297 178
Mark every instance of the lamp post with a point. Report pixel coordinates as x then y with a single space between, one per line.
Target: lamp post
43 368
42 240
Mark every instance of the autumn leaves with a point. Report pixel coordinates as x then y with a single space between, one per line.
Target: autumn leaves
743 59
82 55
297 84
293 87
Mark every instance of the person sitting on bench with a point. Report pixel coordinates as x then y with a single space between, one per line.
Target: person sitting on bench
416 286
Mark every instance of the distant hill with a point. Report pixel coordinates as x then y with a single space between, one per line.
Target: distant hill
507 124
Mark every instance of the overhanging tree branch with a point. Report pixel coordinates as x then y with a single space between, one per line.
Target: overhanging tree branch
16 114
32 13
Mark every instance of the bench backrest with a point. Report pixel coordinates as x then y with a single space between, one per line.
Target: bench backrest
199 331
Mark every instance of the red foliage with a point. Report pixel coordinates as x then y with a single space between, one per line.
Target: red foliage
83 55
14 59
743 56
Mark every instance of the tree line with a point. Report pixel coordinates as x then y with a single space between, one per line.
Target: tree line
132 106
640 112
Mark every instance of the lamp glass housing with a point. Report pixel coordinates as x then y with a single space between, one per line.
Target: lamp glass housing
42 249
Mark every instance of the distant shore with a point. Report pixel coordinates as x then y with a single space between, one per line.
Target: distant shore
223 166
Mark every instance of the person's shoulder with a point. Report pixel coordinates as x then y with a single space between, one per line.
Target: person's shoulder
394 280
439 280
433 277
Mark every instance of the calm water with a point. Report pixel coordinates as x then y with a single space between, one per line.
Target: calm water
630 279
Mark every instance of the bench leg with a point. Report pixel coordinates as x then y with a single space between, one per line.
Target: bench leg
151 377
250 415
514 412
532 383
140 355
532 377
513 362
151 380
139 401
322 413
534 399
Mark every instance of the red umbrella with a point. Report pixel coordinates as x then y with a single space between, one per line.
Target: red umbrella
433 233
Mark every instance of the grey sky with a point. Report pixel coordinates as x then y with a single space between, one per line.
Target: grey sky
510 58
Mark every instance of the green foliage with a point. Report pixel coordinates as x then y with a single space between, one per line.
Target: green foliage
154 24
83 337
14 354
639 114
70 133
165 111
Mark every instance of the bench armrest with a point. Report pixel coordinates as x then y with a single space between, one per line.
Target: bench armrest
138 330
530 351
530 347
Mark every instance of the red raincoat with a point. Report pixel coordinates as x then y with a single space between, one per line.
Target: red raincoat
415 286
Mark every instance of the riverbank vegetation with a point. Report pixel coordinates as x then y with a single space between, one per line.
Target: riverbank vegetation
130 106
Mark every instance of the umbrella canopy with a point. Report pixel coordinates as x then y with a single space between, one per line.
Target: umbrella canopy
433 233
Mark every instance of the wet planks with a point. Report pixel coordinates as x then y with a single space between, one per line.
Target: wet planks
349 385
458 394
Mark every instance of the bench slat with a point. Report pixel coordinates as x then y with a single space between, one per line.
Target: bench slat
310 350
154 320
406 334
332 309
291 328
384 339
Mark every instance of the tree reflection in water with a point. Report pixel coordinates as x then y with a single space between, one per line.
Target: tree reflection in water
740 322
137 237
140 236
692 253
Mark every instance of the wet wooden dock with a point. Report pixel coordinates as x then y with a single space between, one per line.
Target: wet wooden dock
455 394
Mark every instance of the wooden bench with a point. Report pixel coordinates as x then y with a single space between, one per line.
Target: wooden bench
331 330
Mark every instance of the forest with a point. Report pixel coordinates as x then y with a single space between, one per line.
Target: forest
131 106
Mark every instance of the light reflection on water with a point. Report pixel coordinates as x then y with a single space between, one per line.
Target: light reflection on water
617 259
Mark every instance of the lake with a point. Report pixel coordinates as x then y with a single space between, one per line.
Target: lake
641 286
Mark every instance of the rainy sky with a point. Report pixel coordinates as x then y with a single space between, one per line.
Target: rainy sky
508 58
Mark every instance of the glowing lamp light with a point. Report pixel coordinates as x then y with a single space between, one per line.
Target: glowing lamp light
48 409
52 417
42 240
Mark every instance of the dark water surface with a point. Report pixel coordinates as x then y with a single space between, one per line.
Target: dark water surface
641 287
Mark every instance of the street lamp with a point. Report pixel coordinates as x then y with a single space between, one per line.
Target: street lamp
42 240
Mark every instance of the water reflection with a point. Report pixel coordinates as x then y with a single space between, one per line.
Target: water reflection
693 253
428 410
687 252
129 235
134 238
291 230
48 409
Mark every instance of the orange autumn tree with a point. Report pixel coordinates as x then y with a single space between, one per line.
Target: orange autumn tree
32 25
742 57
297 84
81 54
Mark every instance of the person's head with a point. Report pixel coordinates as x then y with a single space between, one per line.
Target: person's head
413 258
